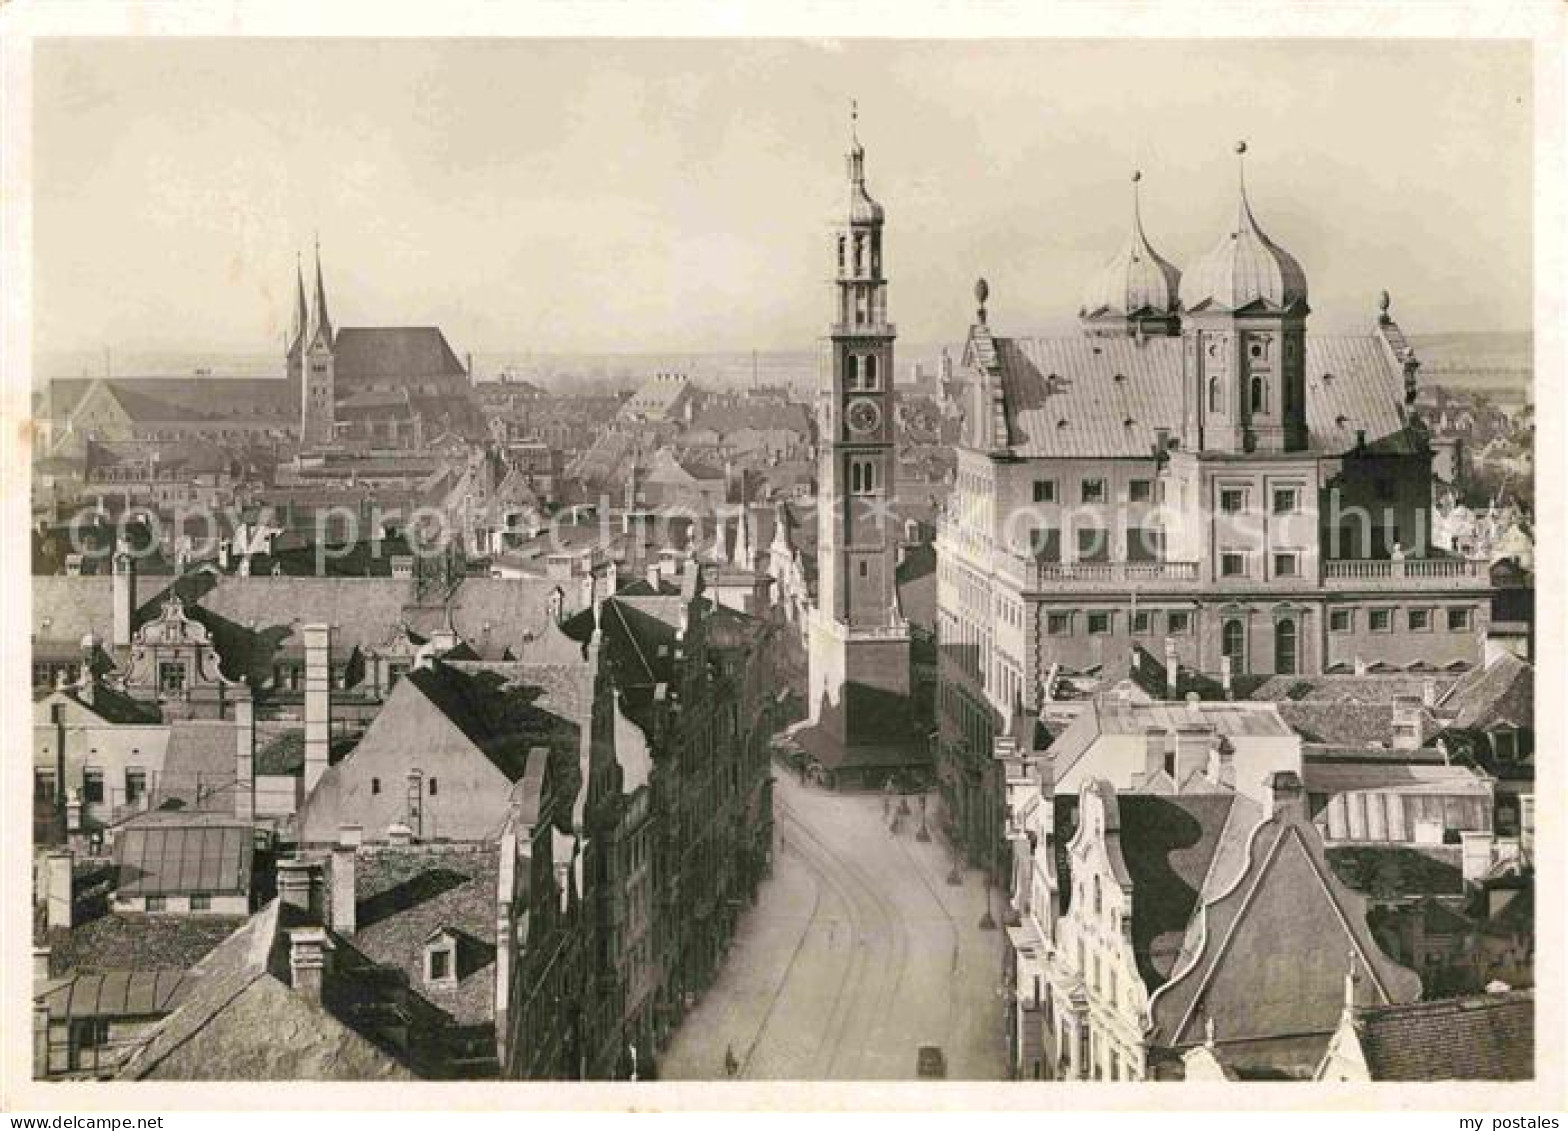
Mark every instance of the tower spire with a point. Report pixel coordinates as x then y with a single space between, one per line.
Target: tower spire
1243 209
1137 206
301 314
323 324
857 152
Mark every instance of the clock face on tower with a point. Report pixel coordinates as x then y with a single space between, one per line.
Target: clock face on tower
863 416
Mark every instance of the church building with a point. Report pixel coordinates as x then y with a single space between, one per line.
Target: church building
382 386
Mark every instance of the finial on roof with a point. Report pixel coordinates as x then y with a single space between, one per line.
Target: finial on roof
982 292
1383 303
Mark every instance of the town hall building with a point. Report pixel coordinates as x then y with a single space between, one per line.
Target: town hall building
1194 473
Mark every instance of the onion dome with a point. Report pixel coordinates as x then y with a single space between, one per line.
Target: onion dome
1245 268
862 209
1136 280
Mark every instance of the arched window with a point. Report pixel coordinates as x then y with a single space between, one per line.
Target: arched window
869 371
1260 395
852 372
1233 644
854 476
1214 394
1285 647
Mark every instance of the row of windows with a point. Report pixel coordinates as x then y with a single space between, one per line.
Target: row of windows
1258 398
93 790
1282 500
200 901
1094 491
1287 563
1416 620
375 786
1144 544
1102 622
865 476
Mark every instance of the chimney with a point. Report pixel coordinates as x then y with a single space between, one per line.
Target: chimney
1287 796
1156 743
244 755
399 834
653 575
345 904
40 964
1193 742
318 701
59 890
1475 855
310 961
295 883
1429 692
124 595
1407 729
1172 669
1361 666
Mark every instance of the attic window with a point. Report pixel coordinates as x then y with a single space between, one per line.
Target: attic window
441 959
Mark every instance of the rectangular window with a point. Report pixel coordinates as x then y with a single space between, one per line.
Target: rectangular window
1099 624
1381 620
1093 490
1285 565
1178 623
1145 544
43 785
1142 623
375 786
157 903
440 964
1058 624
1140 491
201 901
171 677
1233 563
1094 544
432 787
1045 490
92 787
1233 500
1420 620
1287 500
1340 620
135 785
1458 620
1045 543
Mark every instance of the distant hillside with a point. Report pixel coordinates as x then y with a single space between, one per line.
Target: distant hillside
1500 364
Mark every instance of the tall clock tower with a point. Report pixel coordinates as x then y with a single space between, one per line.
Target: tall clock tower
859 658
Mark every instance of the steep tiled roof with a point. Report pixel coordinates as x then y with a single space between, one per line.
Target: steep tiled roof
198 767
1339 723
1081 396
1168 845
1503 691
1393 871
1488 1037
183 398
406 894
229 1025
370 353
1374 687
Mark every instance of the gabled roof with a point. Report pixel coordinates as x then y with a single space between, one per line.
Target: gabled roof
372 353
198 767
1082 396
1269 954
228 1025
1487 1037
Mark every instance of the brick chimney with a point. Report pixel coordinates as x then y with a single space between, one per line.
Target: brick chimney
318 701
1475 855
1287 796
1407 730
310 961
244 755
345 904
1193 741
297 884
59 890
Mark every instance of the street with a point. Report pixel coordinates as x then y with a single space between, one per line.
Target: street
857 953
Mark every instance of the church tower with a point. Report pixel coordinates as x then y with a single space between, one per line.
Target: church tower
294 358
1244 308
860 642
317 389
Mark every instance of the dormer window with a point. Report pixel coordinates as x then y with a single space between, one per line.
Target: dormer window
441 958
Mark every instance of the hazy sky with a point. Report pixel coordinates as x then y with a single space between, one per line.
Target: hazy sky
638 195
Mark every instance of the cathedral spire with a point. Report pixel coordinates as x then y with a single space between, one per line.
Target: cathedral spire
321 322
301 315
857 152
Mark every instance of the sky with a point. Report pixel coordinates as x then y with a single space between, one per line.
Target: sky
604 195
